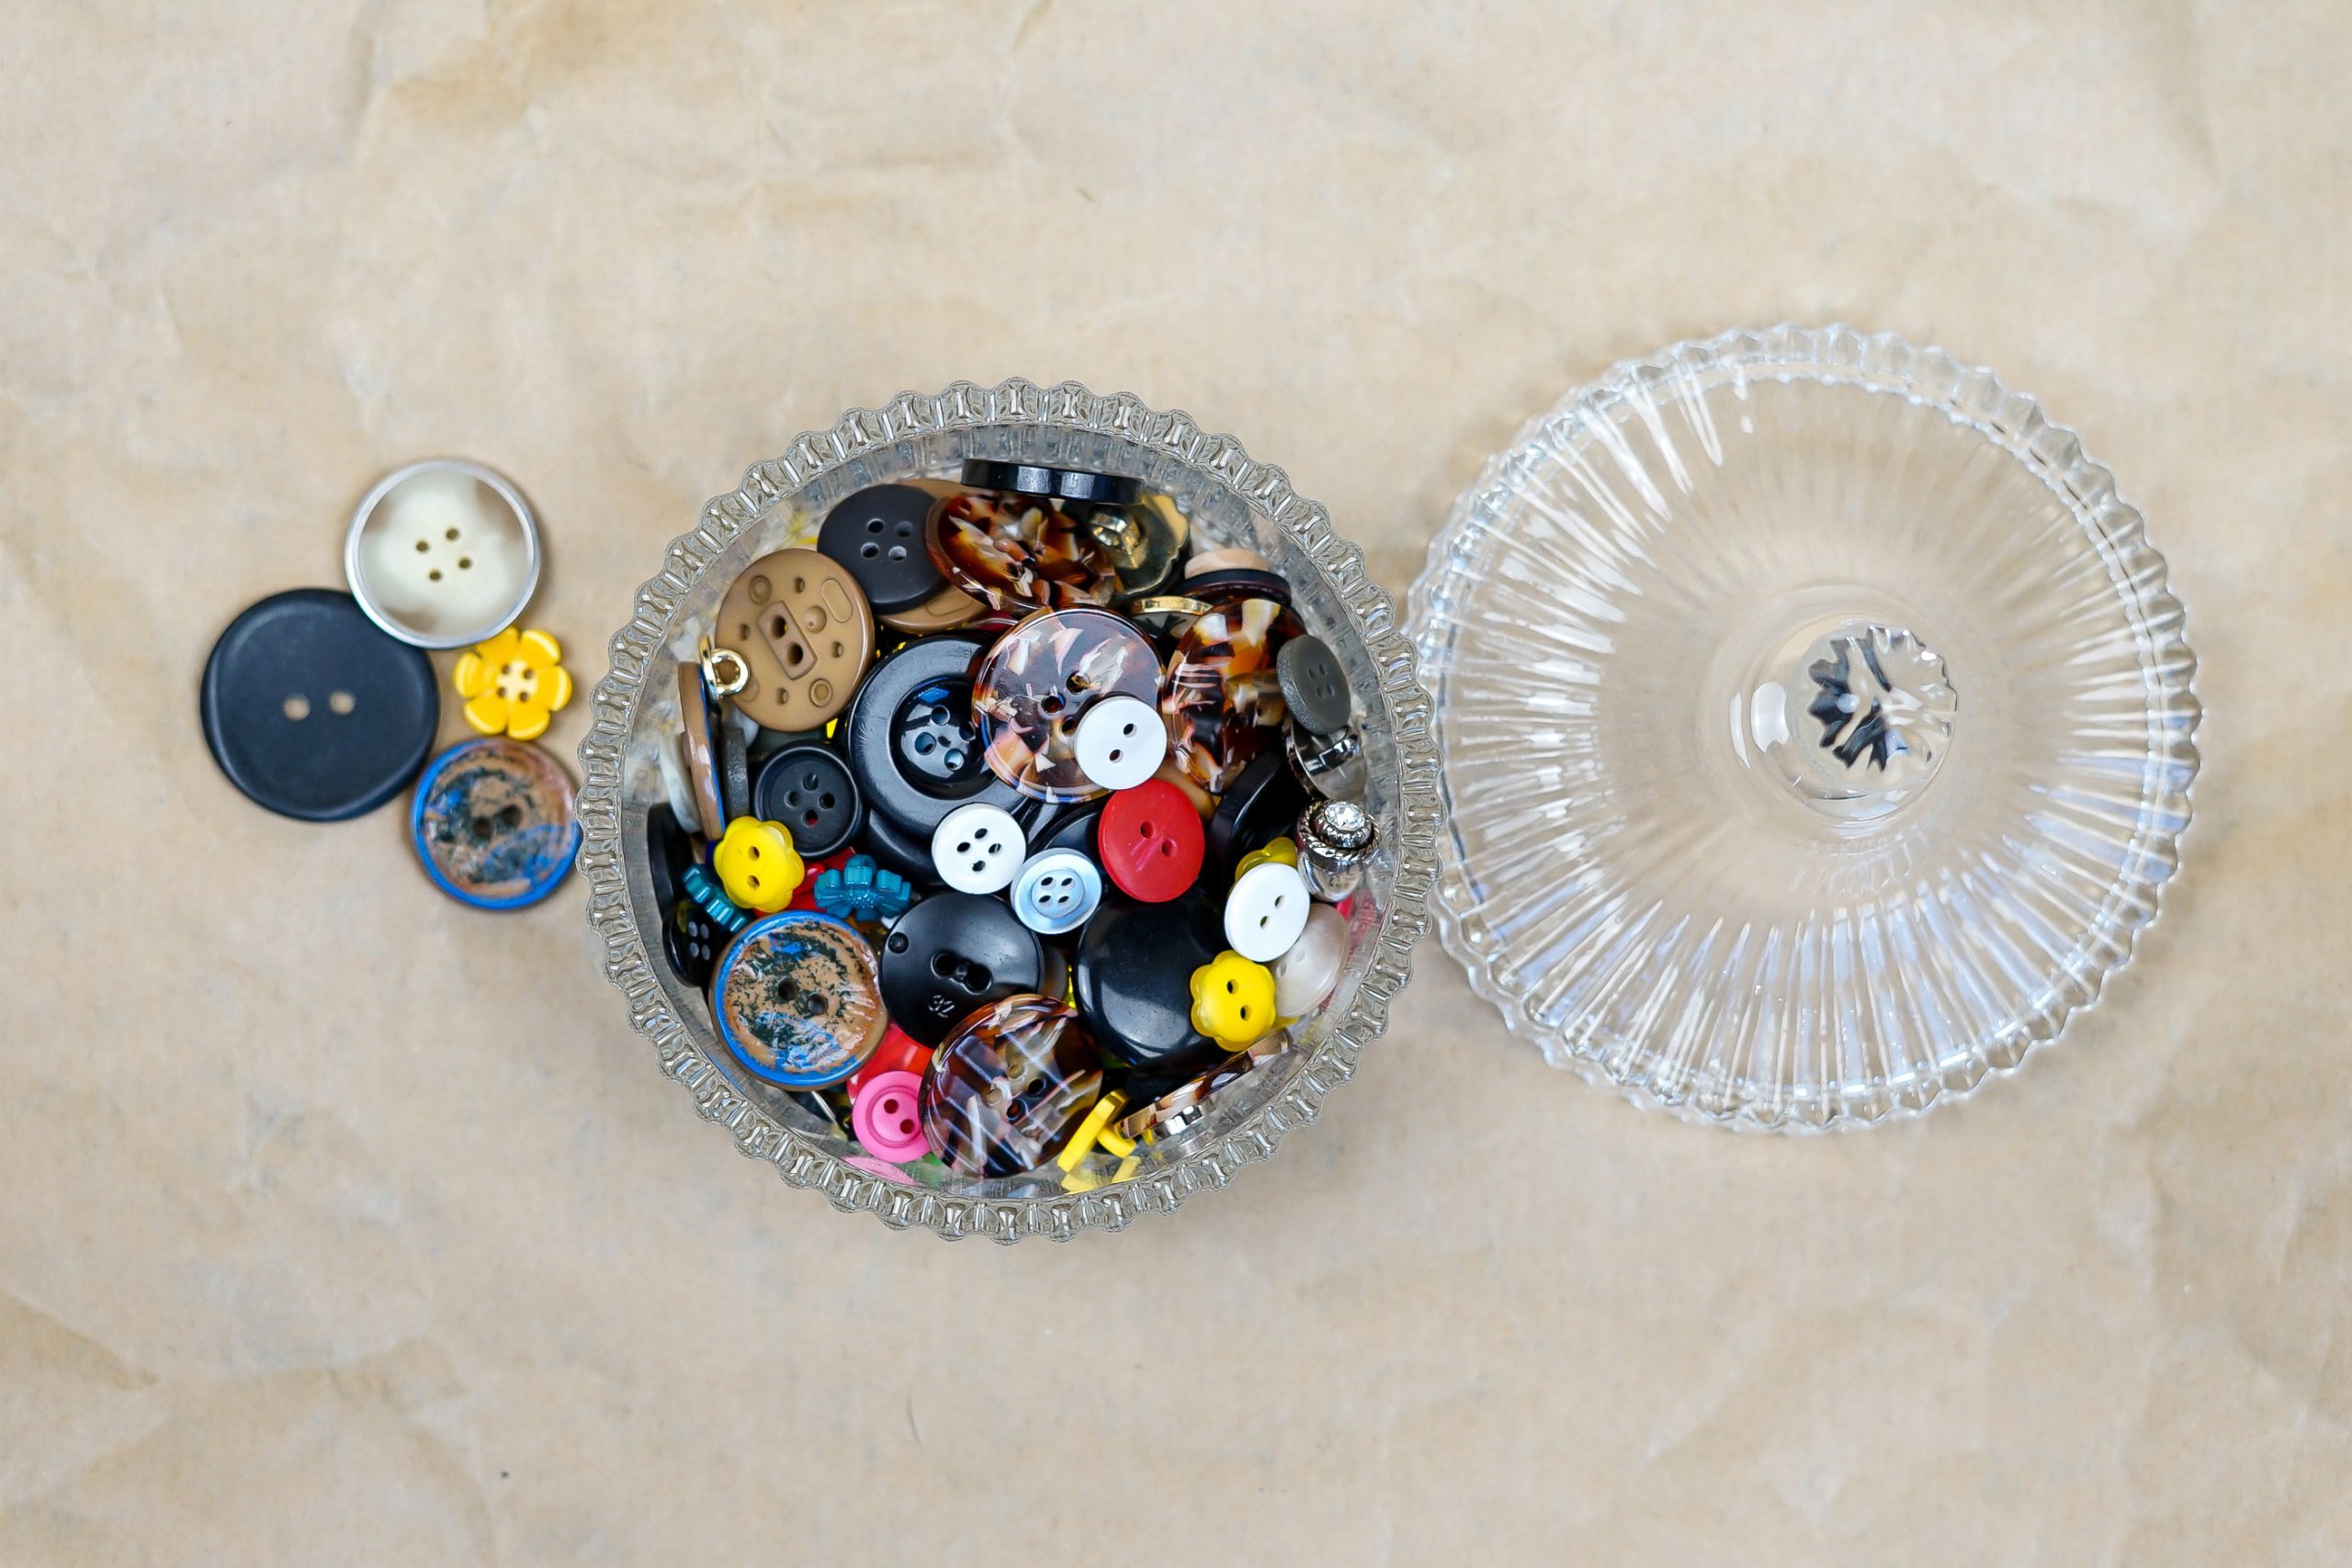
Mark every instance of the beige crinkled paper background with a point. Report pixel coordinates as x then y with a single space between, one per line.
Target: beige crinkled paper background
343 1224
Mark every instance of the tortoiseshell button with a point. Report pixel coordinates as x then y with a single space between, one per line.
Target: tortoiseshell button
1007 1090
1235 558
1039 680
799 1000
1223 699
1020 553
494 823
801 624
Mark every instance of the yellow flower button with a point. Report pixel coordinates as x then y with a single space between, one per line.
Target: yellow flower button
512 683
1282 851
758 866
1233 1000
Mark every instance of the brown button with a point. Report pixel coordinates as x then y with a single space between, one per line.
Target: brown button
805 631
1225 561
943 610
702 768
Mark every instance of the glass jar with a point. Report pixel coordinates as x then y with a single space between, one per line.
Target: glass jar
1227 499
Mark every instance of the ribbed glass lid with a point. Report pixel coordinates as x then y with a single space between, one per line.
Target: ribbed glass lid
1816 728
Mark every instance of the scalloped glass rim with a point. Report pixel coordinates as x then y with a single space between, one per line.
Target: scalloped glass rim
1972 398
1237 499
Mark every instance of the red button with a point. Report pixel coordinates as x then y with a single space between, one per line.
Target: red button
1149 839
898 1053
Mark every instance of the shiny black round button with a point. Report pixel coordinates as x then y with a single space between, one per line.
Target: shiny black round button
810 790
1134 977
312 711
667 851
690 942
1062 484
878 535
731 752
1315 689
910 739
951 954
1262 805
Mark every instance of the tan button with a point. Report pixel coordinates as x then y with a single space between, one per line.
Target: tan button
943 610
702 770
1225 560
805 632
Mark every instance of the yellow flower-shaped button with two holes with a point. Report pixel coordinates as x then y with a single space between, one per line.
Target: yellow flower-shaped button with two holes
1233 1000
512 683
757 864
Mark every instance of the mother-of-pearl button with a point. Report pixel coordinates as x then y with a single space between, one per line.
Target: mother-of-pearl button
443 553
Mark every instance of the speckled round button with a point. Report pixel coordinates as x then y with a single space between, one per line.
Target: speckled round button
799 1000
1039 680
802 627
1006 1091
494 823
1020 553
1223 699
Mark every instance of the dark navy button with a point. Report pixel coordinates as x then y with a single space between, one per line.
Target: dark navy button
1135 973
1062 484
1070 828
1262 805
312 711
913 745
809 790
878 535
690 942
895 849
494 823
951 954
669 851
1315 689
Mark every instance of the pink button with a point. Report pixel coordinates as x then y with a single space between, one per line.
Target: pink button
887 1117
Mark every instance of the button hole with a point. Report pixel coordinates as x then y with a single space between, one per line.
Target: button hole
342 702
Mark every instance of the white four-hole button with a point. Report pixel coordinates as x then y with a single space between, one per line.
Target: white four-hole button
978 847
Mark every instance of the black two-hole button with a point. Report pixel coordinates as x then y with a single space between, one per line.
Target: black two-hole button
312 710
951 954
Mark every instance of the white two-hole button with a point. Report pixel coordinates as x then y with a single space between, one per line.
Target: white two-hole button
978 847
1058 891
1266 912
1120 742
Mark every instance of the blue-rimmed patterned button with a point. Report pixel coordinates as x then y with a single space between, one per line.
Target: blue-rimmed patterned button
494 823
1057 891
799 1000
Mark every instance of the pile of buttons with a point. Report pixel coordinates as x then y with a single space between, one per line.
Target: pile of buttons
324 706
1003 829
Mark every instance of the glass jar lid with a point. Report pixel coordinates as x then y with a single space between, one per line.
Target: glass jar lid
1816 727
